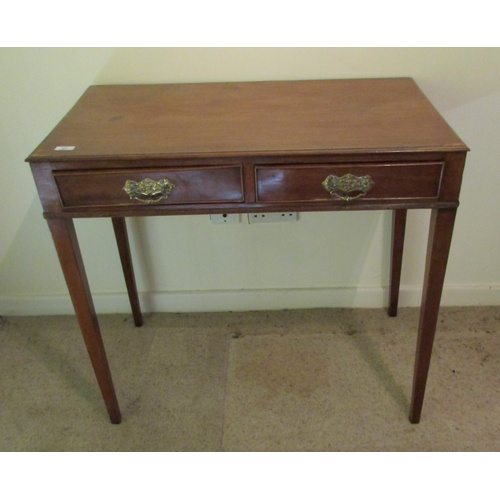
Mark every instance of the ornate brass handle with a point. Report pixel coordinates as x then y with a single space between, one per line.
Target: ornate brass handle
148 190
342 187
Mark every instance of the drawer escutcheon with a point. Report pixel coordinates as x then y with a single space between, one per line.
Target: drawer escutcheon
342 187
149 191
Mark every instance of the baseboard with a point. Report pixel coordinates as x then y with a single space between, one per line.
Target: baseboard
249 300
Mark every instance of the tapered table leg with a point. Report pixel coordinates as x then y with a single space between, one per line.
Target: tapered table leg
440 233
120 227
398 236
68 250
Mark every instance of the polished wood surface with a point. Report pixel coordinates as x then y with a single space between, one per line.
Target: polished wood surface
244 148
152 121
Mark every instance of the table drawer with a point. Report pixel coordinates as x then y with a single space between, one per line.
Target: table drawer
346 182
150 186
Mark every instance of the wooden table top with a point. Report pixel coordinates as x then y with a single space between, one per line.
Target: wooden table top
250 118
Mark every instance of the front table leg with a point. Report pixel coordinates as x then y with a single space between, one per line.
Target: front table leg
440 233
68 250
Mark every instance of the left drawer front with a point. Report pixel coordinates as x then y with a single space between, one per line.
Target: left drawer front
104 188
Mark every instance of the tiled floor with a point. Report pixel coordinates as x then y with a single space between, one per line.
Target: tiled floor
299 380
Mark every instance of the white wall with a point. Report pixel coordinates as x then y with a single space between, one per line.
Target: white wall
187 264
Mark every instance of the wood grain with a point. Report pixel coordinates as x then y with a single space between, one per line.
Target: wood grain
148 121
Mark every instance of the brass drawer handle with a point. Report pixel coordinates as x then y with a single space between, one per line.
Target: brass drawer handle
149 191
342 187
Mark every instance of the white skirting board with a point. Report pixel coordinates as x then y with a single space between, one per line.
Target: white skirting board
249 300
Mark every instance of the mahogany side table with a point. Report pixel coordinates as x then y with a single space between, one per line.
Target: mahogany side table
149 150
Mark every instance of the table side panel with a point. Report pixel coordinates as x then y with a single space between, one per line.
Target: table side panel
452 177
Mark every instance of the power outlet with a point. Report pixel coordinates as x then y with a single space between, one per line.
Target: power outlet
225 218
273 217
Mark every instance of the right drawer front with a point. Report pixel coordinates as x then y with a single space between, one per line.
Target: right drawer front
392 181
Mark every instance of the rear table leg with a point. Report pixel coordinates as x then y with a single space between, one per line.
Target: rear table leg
121 235
398 236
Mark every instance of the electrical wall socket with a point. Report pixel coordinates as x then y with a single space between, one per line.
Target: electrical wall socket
273 217
225 218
